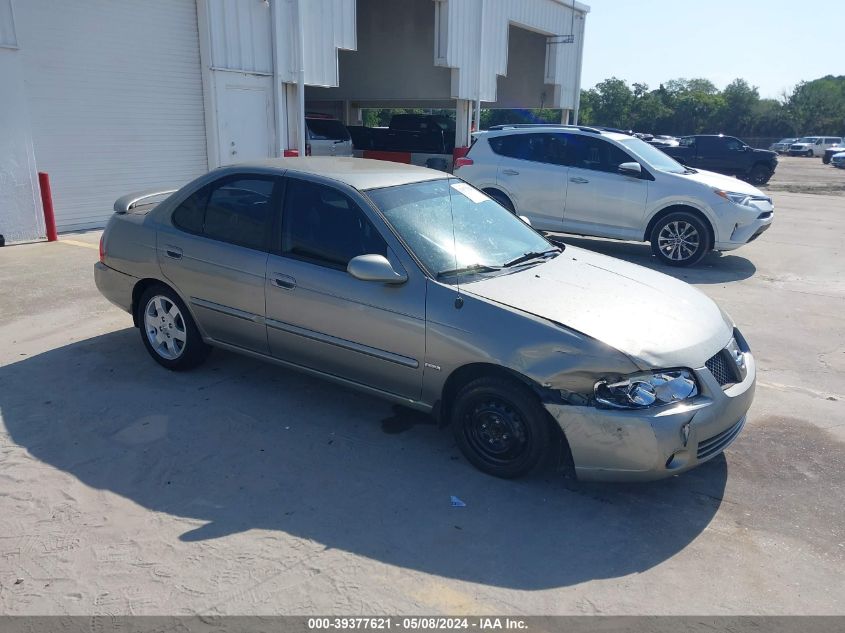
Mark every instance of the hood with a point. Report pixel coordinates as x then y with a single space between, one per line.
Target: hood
658 321
720 181
802 145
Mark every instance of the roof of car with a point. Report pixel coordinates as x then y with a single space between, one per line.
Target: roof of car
545 128
361 173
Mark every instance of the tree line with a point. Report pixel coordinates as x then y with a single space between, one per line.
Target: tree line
689 106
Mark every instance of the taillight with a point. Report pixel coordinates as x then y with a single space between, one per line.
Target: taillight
462 162
102 250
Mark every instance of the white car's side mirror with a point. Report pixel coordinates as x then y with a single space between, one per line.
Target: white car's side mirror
631 169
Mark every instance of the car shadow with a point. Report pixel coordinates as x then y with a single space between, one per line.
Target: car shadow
238 444
714 268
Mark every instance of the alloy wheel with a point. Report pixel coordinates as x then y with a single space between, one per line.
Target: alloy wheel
165 327
678 240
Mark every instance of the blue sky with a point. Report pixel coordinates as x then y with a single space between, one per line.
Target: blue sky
773 44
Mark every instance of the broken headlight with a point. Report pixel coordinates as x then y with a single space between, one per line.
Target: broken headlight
647 390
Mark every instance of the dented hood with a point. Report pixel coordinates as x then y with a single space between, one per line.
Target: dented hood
655 319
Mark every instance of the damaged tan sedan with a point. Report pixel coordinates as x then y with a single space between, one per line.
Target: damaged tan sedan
411 285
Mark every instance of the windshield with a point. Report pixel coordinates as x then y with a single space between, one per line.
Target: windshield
787 140
653 156
483 237
808 139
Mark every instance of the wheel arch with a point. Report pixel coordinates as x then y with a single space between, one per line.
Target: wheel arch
467 373
141 287
494 190
662 213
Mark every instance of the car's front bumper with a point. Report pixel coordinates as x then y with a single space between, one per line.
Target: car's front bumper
624 445
744 227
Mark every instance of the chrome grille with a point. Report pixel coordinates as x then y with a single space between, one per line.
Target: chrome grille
719 442
720 366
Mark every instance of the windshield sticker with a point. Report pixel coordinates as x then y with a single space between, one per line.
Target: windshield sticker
469 192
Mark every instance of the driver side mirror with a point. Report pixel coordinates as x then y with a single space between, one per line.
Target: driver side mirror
632 169
375 268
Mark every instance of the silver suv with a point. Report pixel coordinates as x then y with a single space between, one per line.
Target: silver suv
586 181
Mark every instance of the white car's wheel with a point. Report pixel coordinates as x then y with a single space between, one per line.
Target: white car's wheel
680 239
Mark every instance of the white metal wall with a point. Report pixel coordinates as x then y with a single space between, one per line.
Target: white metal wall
115 97
482 25
327 25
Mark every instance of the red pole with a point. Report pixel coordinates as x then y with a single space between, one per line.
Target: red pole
47 201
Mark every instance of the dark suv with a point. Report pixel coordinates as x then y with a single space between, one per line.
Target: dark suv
726 155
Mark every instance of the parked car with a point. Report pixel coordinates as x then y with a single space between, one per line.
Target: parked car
423 133
830 151
782 146
661 140
409 284
326 136
587 182
726 155
838 160
813 145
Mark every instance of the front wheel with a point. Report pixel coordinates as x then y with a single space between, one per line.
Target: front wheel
168 330
810 153
500 426
680 239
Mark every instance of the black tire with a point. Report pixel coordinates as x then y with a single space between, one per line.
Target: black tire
193 350
826 159
500 426
759 175
810 153
680 238
501 198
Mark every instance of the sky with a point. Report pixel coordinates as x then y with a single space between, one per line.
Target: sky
772 44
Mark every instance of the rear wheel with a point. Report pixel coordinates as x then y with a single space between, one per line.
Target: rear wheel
826 159
500 426
501 198
168 330
680 239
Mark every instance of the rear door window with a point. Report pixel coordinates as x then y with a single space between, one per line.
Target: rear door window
323 226
233 210
239 212
539 148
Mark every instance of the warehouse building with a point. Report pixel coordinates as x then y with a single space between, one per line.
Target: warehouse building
114 96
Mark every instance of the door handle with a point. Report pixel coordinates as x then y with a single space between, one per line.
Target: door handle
173 252
579 180
510 172
283 281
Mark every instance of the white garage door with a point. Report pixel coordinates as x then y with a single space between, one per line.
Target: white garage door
115 96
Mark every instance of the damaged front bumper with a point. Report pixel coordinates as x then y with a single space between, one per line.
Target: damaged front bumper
647 444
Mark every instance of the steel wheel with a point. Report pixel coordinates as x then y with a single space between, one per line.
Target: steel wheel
678 240
495 430
165 327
